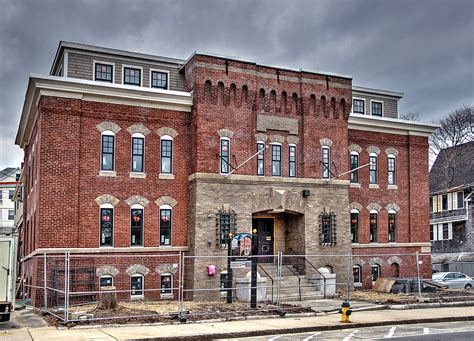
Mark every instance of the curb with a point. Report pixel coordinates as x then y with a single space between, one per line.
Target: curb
264 332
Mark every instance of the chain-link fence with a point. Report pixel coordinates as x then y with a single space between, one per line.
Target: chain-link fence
160 287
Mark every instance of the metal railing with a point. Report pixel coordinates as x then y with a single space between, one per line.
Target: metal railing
271 278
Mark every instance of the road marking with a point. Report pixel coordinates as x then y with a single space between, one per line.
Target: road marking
348 337
310 337
274 338
390 332
426 330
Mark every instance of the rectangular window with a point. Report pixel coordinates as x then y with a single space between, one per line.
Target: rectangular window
166 282
373 227
326 159
445 231
391 171
104 72
223 280
431 204
11 214
375 272
166 156
137 154
106 226
327 235
131 76
136 224
356 273
354 165
354 227
292 160
106 281
460 199
433 233
107 163
392 228
445 202
159 80
136 286
261 158
358 106
373 176
376 108
225 155
11 194
165 227
276 160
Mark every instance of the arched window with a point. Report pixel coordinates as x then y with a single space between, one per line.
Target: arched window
323 106
354 165
292 160
261 158
374 223
166 159
376 272
136 225
106 225
273 96
107 151
138 152
392 226
294 103
224 155
276 159
166 283
106 281
335 113
220 93
165 225
357 273
343 107
284 99
136 286
312 104
326 161
233 94
245 94
395 270
261 99
391 169
373 168
354 226
208 91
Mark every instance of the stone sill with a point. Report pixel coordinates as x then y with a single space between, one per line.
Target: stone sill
137 175
166 176
355 185
167 296
392 187
374 186
107 173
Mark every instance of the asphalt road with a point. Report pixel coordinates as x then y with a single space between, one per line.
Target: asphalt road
452 331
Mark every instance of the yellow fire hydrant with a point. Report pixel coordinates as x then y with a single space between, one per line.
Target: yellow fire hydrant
345 312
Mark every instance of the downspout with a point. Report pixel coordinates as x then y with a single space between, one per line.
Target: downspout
300 150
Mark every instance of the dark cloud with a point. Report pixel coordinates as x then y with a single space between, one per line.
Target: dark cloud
422 48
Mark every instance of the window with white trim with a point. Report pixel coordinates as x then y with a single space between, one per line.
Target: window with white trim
159 79
166 154
106 225
224 155
107 151
354 177
132 76
374 223
358 106
136 225
106 281
376 273
376 108
373 169
261 158
292 160
276 159
326 160
104 72
138 152
391 169
136 286
392 226
354 226
357 273
165 225
166 283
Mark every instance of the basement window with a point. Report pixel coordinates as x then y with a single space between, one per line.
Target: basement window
327 235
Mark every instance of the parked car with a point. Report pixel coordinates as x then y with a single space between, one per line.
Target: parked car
454 280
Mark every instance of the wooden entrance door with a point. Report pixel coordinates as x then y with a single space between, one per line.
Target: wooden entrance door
265 239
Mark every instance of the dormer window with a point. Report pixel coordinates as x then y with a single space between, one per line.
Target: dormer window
132 76
159 79
104 72
358 106
376 108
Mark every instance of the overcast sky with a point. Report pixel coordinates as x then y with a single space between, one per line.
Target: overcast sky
422 48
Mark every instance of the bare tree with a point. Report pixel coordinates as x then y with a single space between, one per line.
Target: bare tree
455 129
410 116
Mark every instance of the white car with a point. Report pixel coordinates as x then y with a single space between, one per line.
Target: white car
454 280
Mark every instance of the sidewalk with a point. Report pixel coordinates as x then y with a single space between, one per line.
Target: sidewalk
253 327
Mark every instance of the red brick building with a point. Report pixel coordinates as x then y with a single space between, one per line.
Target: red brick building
140 156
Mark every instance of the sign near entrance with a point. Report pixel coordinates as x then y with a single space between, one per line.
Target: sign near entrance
241 245
240 264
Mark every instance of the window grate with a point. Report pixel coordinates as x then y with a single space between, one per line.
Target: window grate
327 228
226 225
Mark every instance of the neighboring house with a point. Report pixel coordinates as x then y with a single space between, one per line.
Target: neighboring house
8 178
131 154
451 209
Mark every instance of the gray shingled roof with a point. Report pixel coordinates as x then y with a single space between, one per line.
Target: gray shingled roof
6 172
453 167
